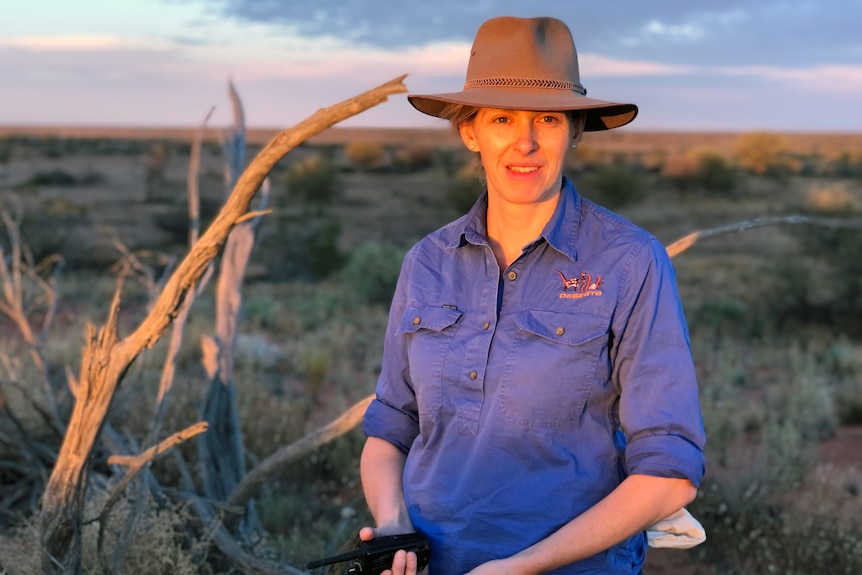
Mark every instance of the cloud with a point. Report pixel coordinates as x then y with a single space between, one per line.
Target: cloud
734 32
594 65
63 43
836 78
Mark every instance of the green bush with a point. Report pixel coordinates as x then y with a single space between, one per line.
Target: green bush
307 247
715 173
704 169
829 290
365 155
371 272
413 158
462 191
615 185
57 177
312 183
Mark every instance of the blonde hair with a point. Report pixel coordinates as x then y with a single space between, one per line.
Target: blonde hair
458 113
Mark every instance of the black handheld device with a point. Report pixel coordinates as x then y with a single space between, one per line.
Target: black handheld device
375 556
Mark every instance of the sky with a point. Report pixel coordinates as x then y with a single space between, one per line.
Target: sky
721 65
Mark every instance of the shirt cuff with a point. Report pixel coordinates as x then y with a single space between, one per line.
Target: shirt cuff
384 421
670 456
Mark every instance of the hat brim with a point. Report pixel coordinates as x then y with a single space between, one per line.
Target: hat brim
601 115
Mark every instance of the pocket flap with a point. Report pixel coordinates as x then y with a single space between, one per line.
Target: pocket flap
434 318
568 328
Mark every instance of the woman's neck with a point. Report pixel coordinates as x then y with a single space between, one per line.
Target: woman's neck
511 227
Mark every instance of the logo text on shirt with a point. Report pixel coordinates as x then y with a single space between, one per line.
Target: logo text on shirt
581 286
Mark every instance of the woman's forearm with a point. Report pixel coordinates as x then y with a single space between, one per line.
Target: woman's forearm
637 503
381 469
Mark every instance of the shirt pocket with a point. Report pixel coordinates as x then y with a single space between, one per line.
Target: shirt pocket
552 367
428 333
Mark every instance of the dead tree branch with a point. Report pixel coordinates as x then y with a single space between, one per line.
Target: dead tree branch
276 462
689 240
106 357
13 306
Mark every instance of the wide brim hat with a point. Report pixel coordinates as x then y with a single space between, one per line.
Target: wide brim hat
527 64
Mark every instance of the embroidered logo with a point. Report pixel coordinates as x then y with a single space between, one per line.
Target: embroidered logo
581 286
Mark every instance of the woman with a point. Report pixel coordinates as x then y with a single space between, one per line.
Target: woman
537 407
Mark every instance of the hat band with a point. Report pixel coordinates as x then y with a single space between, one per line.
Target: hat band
526 83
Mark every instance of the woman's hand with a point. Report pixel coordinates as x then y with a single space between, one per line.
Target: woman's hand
403 563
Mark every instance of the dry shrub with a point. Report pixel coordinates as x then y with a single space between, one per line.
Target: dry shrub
365 155
699 168
585 157
753 531
414 158
312 182
654 160
681 169
464 188
833 198
765 154
159 546
615 185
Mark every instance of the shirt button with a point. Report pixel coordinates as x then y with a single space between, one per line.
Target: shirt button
473 375
417 320
561 330
486 325
513 276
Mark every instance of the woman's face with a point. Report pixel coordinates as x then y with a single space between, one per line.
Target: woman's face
522 151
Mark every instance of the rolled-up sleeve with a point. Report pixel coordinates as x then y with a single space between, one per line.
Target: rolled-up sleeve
392 415
654 372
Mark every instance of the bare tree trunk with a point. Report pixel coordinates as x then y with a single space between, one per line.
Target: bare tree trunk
106 357
221 451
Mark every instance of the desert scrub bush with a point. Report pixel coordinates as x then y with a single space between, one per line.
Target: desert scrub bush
614 185
715 173
829 292
752 530
320 507
413 158
312 183
847 165
160 545
700 169
585 157
453 160
6 148
725 317
371 272
464 188
365 155
765 154
59 178
265 311
307 247
833 198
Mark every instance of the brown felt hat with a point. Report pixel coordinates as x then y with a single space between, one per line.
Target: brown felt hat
527 64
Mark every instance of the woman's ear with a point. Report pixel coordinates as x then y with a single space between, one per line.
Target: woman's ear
468 136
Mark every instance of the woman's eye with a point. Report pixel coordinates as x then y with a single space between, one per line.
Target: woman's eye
549 119
501 120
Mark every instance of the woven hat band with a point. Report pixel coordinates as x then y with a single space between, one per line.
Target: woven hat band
525 83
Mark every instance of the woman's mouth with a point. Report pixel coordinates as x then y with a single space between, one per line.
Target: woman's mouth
524 169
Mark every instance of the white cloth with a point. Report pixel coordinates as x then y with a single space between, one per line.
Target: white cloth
679 530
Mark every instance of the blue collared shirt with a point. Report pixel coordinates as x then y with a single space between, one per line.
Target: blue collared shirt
522 399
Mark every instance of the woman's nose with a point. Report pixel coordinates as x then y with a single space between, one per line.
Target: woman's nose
526 139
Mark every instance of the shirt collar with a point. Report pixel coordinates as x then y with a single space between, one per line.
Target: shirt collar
560 232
